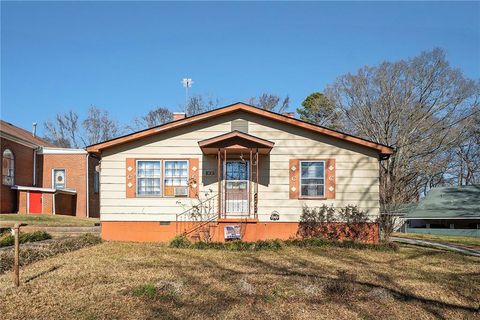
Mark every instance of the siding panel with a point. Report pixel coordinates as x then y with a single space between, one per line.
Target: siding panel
357 174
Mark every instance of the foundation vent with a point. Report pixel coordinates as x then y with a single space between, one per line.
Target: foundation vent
240 125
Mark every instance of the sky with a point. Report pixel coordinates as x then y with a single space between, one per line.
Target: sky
129 58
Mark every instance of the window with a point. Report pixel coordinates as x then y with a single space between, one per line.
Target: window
59 179
149 178
8 168
176 178
312 179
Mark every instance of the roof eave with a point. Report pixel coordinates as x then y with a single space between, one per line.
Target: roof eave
381 149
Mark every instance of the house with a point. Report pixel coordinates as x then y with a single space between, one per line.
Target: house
237 171
38 177
447 211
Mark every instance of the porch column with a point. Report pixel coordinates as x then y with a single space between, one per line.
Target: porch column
250 183
219 195
225 169
255 200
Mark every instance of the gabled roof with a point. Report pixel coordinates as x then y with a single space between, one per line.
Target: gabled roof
380 148
449 203
235 140
23 135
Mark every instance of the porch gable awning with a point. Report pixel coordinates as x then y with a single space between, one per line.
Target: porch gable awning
235 141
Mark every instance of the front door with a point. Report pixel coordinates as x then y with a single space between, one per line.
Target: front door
35 202
236 187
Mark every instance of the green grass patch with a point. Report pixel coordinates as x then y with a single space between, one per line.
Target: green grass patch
184 242
461 240
8 240
145 290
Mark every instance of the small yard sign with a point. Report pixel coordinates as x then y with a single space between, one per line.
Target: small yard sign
232 232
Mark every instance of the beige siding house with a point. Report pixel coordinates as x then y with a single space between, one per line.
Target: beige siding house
238 170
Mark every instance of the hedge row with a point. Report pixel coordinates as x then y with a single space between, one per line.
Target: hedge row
184 242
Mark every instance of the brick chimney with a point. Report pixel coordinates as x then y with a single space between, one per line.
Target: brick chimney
178 115
289 114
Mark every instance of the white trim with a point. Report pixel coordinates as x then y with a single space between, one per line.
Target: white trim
300 178
136 179
226 182
163 178
49 190
48 150
53 178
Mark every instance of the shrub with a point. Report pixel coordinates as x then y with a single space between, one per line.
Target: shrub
145 290
313 220
387 223
29 255
235 245
8 240
180 242
348 222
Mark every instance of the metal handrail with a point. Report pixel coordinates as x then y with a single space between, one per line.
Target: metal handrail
198 213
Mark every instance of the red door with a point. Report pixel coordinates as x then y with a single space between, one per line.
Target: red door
35 202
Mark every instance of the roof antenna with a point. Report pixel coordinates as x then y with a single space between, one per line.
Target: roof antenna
34 129
187 83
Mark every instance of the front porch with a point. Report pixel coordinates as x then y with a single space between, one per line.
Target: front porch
238 156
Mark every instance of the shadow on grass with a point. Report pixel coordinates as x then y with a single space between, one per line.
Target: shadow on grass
252 264
51 269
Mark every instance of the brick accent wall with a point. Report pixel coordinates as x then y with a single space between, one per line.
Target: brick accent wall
23 174
75 176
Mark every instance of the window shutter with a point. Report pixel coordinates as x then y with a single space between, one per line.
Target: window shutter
193 180
294 175
330 185
131 178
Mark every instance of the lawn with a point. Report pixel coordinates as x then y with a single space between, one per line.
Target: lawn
466 241
48 220
116 280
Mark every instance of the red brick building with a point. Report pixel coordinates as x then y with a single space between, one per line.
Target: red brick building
39 178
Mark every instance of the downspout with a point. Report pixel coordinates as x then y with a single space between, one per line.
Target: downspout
88 194
35 167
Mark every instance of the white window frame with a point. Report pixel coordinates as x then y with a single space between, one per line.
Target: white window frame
324 178
12 170
136 179
188 178
53 177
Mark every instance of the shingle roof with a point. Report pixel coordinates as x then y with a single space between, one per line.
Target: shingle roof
449 202
382 149
23 134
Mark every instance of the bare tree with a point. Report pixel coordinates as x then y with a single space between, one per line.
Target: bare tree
466 164
153 118
64 130
199 104
99 126
270 102
419 106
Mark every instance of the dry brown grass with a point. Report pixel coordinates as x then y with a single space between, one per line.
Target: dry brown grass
151 281
47 220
